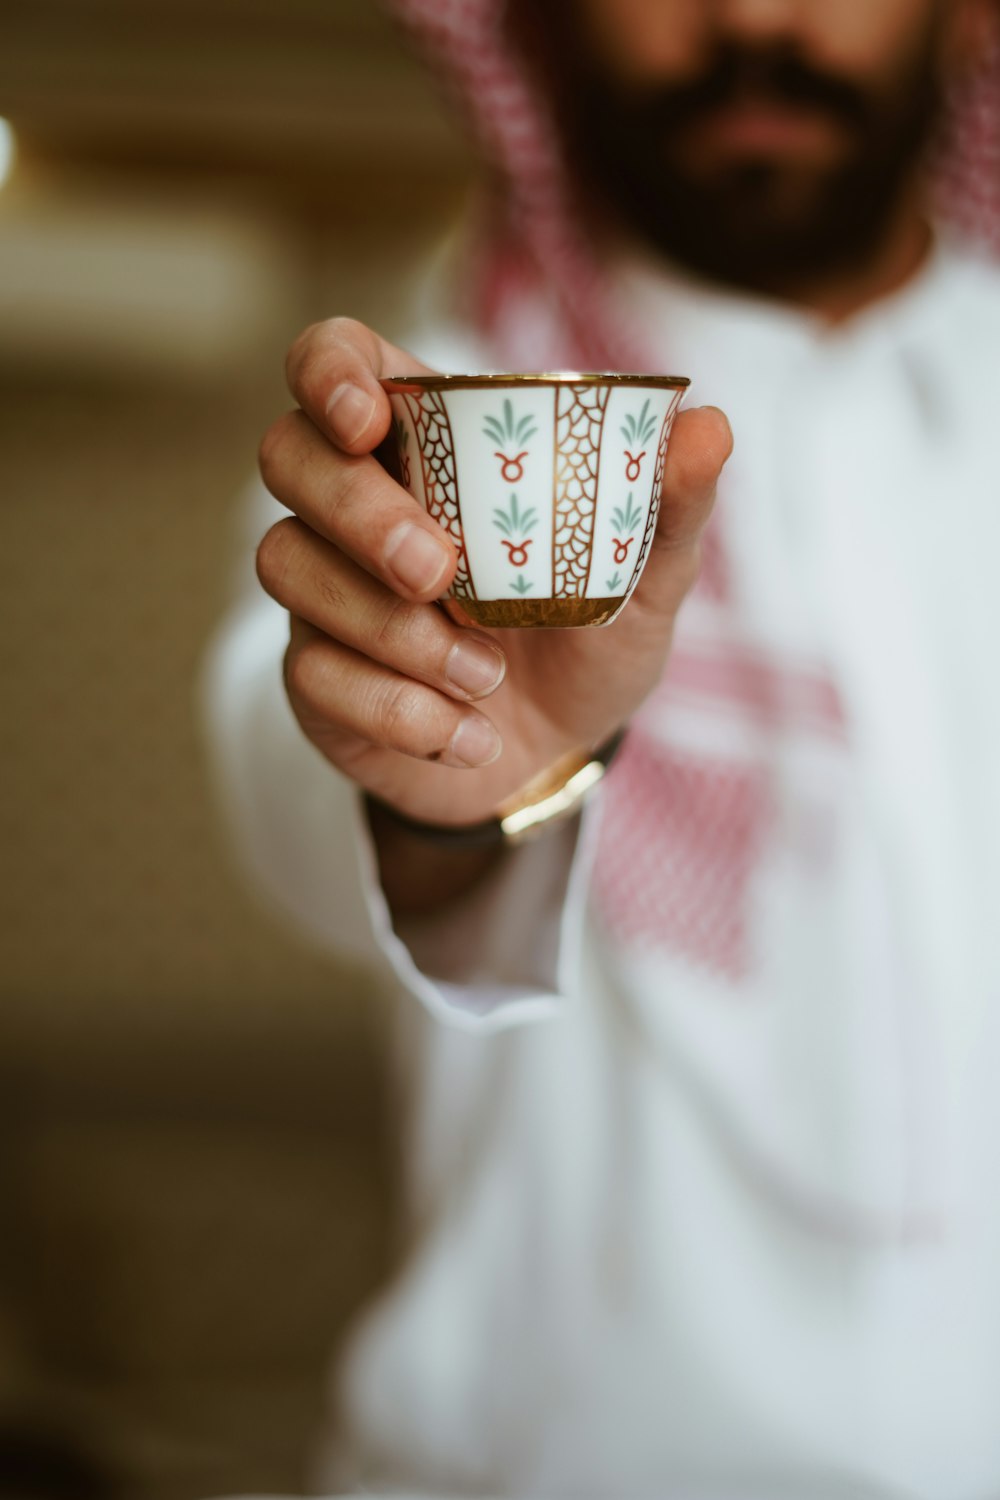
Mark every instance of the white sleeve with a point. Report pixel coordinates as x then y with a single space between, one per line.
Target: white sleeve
506 953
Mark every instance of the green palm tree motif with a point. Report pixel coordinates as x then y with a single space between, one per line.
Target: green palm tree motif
628 519
639 430
625 521
614 583
521 584
516 526
514 522
510 432
636 431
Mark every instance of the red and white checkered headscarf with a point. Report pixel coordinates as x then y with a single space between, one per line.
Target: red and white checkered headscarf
466 41
686 888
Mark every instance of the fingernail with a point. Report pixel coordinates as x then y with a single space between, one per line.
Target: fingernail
417 560
475 667
349 411
474 743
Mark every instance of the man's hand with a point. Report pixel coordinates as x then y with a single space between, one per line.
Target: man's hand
380 678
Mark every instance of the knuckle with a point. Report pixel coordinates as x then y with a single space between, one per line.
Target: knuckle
394 627
681 522
306 377
299 351
345 330
400 714
687 566
331 591
350 502
312 360
305 673
271 451
274 554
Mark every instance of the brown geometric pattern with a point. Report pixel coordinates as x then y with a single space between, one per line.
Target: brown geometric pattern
437 458
579 417
654 508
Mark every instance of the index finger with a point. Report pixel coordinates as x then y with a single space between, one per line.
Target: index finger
333 371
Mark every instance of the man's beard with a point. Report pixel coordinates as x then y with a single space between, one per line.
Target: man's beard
759 224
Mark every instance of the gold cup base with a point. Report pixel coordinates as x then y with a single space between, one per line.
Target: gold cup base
552 614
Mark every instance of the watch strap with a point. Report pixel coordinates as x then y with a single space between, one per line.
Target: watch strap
551 797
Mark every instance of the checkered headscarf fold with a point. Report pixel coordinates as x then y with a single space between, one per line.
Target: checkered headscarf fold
465 40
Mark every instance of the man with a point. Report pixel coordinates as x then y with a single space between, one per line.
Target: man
727 1223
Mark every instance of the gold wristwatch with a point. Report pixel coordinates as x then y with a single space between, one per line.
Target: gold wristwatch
553 796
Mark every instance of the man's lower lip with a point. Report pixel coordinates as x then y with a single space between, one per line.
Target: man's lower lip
745 130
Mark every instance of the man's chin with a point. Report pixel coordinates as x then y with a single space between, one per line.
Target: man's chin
756 249
761 226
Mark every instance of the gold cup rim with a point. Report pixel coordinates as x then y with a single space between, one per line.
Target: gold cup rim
408 383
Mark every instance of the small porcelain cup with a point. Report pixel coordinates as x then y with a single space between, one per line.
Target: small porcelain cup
549 485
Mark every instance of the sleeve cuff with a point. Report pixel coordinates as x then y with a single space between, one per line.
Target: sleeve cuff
509 951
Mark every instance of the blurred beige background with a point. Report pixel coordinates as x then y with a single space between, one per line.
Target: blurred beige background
193 1165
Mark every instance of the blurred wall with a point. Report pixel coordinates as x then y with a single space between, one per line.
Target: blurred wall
193 1172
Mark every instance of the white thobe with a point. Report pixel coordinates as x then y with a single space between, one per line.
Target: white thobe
673 1235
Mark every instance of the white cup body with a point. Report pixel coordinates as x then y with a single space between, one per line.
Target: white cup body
548 488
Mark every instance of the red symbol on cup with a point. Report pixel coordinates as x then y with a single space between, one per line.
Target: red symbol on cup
634 463
517 552
621 548
512 469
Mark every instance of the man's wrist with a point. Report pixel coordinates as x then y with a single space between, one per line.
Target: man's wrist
418 878
556 794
